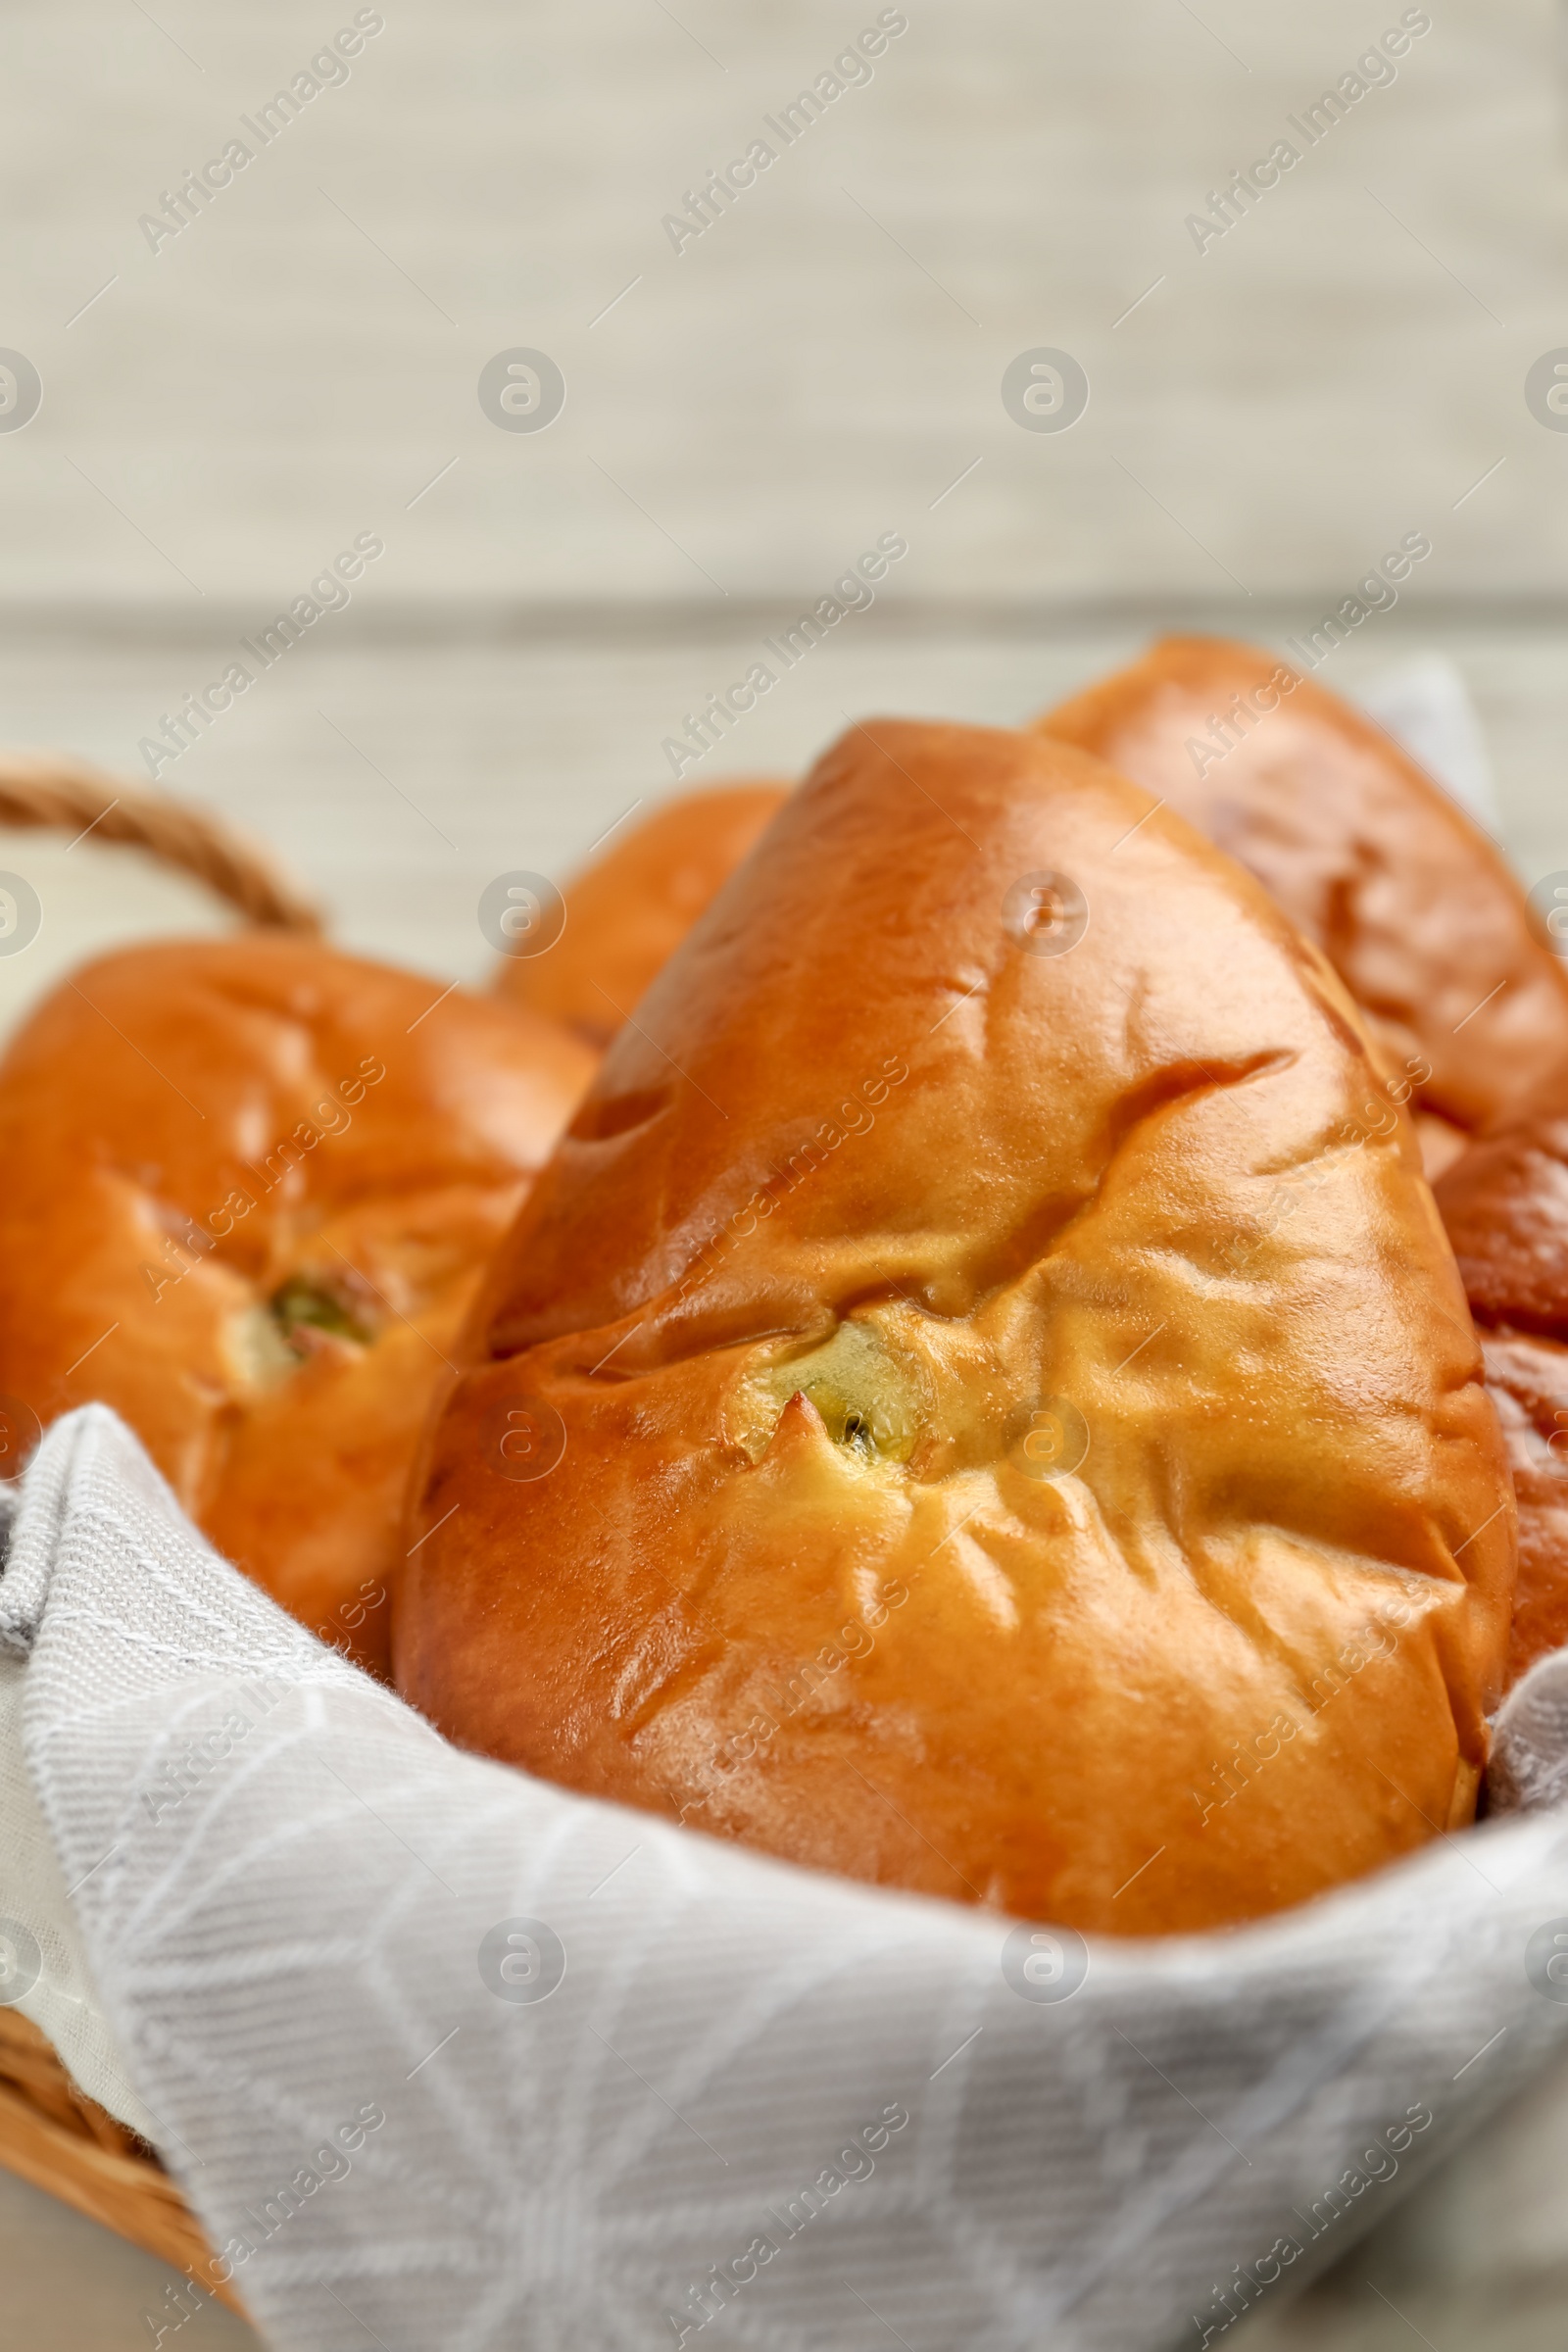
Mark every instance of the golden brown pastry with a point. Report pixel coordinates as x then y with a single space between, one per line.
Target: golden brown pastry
249 1187
629 910
1506 1205
980 1399
1410 901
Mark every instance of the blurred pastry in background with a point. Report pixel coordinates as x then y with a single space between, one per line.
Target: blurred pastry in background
251 1185
1505 1207
1408 899
629 909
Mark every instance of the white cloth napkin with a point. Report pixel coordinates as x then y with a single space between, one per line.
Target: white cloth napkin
43 1968
442 2055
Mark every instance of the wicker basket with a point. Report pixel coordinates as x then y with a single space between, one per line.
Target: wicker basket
50 2132
61 2140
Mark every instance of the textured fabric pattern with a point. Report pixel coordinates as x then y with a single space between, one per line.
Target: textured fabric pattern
1529 1768
700 2096
43 1968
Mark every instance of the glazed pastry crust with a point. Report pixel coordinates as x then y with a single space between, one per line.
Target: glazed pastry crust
980 1399
1410 901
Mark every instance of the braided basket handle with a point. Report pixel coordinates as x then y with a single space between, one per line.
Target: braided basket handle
51 790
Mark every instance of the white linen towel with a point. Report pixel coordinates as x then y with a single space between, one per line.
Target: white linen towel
444 2053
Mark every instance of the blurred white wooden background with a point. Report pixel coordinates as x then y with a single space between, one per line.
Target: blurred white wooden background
300 365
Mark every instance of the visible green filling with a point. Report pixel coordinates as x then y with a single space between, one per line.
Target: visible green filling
303 1303
867 1400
